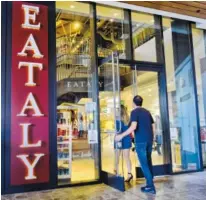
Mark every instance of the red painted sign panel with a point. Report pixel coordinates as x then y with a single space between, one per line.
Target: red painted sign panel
29 94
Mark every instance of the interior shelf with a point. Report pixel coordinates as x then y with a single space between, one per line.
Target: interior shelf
63 159
63 142
64 176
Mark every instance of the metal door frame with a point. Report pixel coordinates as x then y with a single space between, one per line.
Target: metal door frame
166 168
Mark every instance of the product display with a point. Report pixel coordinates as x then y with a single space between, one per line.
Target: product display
72 141
64 146
64 154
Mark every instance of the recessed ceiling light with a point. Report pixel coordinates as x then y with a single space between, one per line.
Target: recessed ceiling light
72 6
77 25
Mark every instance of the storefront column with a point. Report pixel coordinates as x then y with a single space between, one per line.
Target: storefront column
195 94
95 88
3 89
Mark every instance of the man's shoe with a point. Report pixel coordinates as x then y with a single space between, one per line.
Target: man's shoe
142 188
147 189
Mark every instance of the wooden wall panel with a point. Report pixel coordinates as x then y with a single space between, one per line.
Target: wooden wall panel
190 8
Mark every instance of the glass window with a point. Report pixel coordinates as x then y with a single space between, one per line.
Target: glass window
199 45
113 32
181 96
146 37
77 140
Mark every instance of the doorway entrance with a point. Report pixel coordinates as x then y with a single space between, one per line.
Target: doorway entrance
120 82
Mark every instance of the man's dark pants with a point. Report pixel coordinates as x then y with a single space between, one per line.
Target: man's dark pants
144 152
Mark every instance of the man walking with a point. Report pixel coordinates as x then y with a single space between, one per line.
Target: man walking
143 126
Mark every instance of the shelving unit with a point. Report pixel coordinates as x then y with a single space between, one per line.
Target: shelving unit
60 177
64 142
68 141
64 146
63 159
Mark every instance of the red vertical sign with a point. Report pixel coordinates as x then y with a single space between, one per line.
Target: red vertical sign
29 94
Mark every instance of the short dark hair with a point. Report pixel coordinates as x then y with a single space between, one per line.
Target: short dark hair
138 100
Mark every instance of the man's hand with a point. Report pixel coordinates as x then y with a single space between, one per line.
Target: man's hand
118 137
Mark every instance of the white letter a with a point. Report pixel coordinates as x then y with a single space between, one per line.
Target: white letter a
31 46
30 100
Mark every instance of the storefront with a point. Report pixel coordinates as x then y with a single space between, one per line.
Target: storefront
67 67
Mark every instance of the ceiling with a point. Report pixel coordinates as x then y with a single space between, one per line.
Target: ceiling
73 6
190 8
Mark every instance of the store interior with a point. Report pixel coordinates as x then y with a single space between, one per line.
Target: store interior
146 85
77 156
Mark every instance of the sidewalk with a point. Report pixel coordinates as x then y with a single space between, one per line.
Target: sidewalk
177 187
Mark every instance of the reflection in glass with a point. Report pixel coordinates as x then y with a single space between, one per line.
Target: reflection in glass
181 96
113 32
199 45
146 37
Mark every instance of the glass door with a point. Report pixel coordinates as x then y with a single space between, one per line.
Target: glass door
151 87
109 106
114 80
118 84
148 86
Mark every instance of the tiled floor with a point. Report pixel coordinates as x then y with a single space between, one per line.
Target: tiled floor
178 187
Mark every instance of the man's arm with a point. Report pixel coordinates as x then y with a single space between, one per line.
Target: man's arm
131 129
153 126
153 129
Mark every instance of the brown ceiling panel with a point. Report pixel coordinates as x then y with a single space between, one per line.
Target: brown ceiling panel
190 8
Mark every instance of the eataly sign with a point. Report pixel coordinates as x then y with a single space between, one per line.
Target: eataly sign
31 107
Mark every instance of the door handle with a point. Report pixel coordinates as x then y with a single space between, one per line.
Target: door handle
114 93
119 92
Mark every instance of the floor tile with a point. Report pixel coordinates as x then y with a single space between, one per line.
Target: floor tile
177 187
